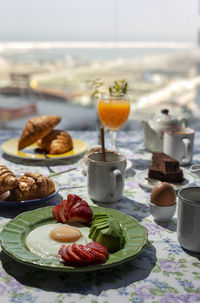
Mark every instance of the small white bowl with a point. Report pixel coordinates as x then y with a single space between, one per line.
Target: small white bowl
195 169
162 213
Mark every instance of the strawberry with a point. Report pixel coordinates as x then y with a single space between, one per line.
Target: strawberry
72 200
78 250
80 203
63 253
55 212
73 209
97 256
81 214
67 214
98 247
62 211
73 257
78 254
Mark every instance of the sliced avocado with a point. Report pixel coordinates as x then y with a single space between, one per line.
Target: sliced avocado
100 216
96 221
106 230
103 223
95 233
95 228
110 242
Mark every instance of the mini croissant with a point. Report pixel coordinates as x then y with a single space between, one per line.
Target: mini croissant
37 128
8 181
56 142
32 186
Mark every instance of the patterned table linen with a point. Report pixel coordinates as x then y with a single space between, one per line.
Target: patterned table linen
163 272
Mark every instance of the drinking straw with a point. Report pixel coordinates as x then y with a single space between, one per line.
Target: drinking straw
102 144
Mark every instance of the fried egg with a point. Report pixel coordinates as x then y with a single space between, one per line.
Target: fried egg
46 240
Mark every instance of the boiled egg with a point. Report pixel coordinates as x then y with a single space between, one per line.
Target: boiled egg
163 194
46 240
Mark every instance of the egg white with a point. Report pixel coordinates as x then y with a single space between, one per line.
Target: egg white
41 244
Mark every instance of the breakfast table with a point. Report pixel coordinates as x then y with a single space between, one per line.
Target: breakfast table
162 272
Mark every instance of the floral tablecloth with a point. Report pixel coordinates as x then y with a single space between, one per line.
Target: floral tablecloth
163 272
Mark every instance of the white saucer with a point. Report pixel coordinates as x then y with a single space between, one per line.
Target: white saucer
84 167
142 176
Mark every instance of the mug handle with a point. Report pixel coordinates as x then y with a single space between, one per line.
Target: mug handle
187 145
117 184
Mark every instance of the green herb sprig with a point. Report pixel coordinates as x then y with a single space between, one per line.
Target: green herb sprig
119 87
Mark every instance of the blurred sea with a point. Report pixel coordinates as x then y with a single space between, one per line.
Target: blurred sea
77 53
87 51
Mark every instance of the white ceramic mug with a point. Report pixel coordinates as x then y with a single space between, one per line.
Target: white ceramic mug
105 180
179 143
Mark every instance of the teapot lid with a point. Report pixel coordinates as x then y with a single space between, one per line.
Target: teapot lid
163 116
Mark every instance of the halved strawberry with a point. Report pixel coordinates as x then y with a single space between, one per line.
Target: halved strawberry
78 250
63 253
72 200
74 257
98 247
55 212
80 203
67 215
74 209
80 255
97 256
62 211
81 214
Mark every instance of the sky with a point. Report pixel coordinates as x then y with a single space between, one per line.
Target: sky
99 20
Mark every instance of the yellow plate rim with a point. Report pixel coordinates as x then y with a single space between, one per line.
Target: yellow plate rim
40 157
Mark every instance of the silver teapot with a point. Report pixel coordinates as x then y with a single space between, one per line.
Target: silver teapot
154 129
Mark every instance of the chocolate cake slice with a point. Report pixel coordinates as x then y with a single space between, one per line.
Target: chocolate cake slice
164 162
165 168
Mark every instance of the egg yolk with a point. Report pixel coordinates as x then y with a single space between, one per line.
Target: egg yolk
65 234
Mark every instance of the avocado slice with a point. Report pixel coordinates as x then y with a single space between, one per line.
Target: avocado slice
107 231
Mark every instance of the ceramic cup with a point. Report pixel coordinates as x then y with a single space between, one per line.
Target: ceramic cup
188 222
162 213
195 169
105 180
178 143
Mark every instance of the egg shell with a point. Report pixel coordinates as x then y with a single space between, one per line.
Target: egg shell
163 194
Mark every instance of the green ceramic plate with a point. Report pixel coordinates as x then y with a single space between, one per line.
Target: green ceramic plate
15 231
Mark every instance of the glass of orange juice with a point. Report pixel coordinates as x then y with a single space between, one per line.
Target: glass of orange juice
113 112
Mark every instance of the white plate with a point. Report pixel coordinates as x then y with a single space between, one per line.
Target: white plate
142 175
84 167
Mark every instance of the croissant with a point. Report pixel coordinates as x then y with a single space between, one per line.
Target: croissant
56 142
32 186
37 128
8 181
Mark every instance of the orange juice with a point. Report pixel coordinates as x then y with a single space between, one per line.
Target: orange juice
113 112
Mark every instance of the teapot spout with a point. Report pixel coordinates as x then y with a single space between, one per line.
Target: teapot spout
147 129
150 137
